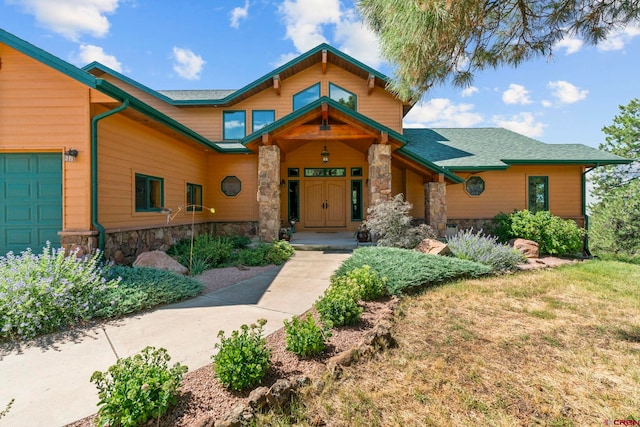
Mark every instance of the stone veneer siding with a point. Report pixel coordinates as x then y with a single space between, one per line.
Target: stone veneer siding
268 193
124 246
435 206
379 173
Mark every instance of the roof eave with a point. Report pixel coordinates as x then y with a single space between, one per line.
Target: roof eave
429 164
600 162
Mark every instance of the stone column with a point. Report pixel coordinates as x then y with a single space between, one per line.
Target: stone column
379 173
268 193
435 206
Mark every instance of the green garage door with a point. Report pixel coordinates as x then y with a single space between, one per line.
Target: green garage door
30 201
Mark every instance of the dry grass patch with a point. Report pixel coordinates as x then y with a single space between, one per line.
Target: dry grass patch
557 348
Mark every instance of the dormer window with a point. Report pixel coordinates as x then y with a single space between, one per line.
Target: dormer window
342 96
234 124
306 96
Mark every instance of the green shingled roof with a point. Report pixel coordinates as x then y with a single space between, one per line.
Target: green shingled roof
496 148
197 95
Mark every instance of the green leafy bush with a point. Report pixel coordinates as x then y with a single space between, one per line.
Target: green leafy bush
485 250
305 337
554 235
212 251
365 282
408 270
243 358
389 223
46 292
280 251
142 288
338 306
137 388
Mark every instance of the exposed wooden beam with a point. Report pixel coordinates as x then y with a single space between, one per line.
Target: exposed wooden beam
313 132
371 83
266 139
325 113
276 84
384 138
324 61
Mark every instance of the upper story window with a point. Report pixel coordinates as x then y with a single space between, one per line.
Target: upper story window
262 118
234 124
342 96
306 96
149 193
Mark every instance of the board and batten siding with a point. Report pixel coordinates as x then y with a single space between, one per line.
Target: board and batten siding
44 110
507 190
125 148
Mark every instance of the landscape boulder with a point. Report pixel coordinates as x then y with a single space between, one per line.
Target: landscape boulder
528 248
433 247
161 261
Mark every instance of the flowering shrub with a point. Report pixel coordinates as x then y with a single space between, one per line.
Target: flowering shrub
485 250
390 224
137 388
46 292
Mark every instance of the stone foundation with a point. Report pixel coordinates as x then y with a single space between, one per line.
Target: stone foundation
84 242
123 247
483 224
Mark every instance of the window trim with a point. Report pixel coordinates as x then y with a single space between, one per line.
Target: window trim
224 122
546 192
222 186
484 186
253 120
293 97
197 205
148 179
355 97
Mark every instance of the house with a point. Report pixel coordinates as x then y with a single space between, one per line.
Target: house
93 159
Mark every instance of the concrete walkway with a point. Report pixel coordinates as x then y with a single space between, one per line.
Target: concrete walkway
49 378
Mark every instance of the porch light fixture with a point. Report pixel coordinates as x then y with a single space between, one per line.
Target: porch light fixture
70 155
325 155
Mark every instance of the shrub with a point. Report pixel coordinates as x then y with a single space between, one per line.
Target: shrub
390 224
279 252
243 358
554 235
408 270
142 288
365 282
304 337
339 307
212 251
137 388
485 250
47 292
265 253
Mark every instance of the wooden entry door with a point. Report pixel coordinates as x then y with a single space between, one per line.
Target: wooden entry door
324 204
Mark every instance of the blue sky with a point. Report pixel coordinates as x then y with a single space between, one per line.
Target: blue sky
226 44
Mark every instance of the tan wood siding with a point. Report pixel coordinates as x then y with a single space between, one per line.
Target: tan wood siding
244 206
126 148
42 109
415 194
507 190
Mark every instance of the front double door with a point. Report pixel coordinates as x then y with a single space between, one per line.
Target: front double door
324 203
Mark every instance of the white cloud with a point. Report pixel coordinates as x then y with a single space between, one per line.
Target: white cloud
546 103
570 44
467 92
524 123
187 64
566 93
239 13
306 22
516 94
89 53
617 39
71 18
441 112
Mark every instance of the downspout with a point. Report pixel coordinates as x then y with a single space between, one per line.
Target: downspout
584 209
94 170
